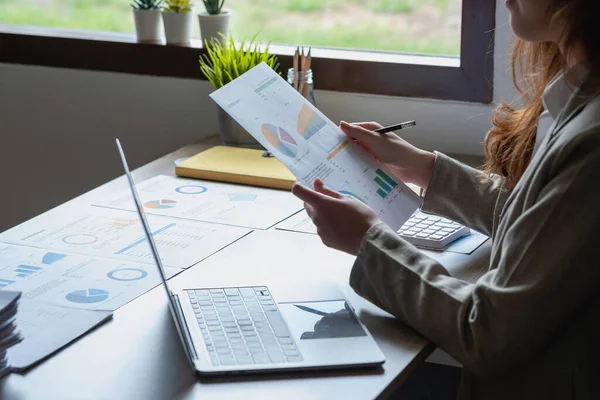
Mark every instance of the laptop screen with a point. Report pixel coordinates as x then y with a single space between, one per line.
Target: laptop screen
147 231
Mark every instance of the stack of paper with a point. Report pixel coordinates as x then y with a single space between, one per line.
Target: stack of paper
46 329
9 334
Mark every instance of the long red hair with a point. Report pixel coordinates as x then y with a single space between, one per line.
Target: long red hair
509 143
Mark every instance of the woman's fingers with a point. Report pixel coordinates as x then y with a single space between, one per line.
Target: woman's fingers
307 195
359 133
310 211
368 125
321 188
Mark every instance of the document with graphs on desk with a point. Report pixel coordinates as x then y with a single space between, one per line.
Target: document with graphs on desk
311 145
116 234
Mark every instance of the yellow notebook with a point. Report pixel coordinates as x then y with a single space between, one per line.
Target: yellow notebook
237 165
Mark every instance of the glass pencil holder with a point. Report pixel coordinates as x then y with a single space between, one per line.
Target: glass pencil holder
303 83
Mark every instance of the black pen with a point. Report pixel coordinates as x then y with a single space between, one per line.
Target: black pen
397 127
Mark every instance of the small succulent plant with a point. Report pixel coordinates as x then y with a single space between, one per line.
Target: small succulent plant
146 4
178 6
213 7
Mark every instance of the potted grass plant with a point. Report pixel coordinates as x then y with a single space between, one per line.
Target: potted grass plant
223 62
214 22
177 17
147 17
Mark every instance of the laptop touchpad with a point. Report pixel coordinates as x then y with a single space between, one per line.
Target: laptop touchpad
321 320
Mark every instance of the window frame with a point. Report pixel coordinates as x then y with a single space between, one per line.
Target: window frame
470 81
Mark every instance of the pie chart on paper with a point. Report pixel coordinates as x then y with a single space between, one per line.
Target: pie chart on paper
281 140
87 296
160 204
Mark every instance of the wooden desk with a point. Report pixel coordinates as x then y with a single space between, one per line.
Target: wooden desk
138 355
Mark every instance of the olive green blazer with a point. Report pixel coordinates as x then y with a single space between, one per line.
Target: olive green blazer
530 327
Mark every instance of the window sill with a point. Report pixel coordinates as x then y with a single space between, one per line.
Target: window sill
372 56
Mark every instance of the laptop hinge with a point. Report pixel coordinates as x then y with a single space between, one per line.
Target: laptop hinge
184 330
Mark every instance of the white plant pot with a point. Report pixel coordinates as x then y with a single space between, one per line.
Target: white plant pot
178 27
148 25
212 25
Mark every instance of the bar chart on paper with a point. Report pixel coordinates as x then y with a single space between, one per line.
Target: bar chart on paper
310 145
72 280
386 184
309 122
5 282
24 271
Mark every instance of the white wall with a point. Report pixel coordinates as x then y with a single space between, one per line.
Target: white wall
57 128
57 125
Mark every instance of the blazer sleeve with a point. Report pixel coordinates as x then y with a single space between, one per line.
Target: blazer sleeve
464 194
544 269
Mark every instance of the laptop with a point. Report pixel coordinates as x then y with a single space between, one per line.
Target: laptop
239 330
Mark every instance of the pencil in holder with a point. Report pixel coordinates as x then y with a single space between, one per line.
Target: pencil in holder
303 83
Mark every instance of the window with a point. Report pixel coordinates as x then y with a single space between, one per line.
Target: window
422 48
414 26
100 15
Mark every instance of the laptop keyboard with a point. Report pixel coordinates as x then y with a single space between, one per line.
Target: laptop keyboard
242 326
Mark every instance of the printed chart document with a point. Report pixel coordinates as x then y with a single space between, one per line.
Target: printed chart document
116 234
47 329
299 222
312 146
302 223
222 203
75 281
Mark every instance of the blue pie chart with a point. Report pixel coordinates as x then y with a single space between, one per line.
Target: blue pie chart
80 239
87 296
191 189
127 274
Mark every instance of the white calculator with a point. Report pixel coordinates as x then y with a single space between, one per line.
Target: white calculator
430 231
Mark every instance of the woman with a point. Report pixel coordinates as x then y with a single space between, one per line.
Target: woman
530 327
